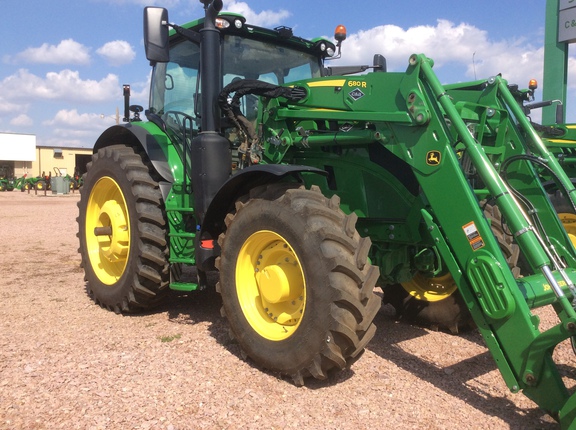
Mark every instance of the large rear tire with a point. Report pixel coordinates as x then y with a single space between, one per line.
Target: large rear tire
122 232
436 301
295 284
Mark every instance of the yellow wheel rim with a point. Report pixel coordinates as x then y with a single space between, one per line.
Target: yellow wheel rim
107 231
431 289
270 285
569 222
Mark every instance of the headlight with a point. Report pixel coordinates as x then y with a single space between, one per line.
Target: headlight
222 23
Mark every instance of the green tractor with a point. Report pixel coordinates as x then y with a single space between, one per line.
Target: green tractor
306 186
7 178
76 180
37 183
560 139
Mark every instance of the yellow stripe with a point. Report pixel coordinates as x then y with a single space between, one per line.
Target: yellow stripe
331 83
561 141
571 127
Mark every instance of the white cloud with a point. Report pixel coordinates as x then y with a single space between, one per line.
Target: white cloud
266 18
69 128
66 52
71 123
65 142
460 48
117 53
65 85
22 120
8 108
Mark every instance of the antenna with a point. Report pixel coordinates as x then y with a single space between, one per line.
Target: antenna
474 64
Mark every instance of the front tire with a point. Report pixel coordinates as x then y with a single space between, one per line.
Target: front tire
122 232
436 301
295 285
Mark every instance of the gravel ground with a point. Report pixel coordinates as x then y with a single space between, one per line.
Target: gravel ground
65 363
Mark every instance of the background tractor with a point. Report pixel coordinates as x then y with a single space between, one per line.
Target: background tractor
306 187
7 178
76 180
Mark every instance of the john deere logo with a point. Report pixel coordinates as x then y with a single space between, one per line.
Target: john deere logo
433 158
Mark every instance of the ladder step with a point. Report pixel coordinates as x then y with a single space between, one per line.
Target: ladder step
183 286
184 260
185 235
179 209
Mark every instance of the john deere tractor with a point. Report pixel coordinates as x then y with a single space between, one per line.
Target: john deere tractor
7 178
307 185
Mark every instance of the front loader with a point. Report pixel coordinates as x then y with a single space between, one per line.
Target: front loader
306 187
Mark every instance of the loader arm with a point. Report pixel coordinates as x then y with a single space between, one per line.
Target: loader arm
431 129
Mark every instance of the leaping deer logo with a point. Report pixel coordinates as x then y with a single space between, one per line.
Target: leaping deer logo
433 158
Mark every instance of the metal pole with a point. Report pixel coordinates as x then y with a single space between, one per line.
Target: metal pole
555 64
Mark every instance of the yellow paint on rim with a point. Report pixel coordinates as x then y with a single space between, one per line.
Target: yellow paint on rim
431 289
270 285
569 222
106 209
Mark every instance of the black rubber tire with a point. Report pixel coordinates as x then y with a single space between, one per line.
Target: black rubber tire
559 202
451 313
145 278
340 302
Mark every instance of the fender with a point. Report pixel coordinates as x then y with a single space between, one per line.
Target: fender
143 134
223 202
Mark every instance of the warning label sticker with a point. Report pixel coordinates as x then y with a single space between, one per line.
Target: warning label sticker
471 232
477 244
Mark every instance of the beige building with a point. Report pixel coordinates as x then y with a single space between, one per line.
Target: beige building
19 152
59 161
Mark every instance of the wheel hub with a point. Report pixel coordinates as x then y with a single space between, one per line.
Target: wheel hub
270 285
431 289
569 222
113 246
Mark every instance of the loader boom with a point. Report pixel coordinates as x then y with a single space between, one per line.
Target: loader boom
431 128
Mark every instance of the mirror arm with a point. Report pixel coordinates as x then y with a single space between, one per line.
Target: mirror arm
191 35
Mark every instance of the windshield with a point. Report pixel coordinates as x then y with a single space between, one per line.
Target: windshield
175 85
275 64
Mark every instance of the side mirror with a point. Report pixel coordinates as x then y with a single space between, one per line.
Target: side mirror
379 63
559 113
156 34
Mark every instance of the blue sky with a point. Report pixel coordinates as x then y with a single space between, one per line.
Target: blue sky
63 63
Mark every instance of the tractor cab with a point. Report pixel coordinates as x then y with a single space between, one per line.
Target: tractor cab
273 56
